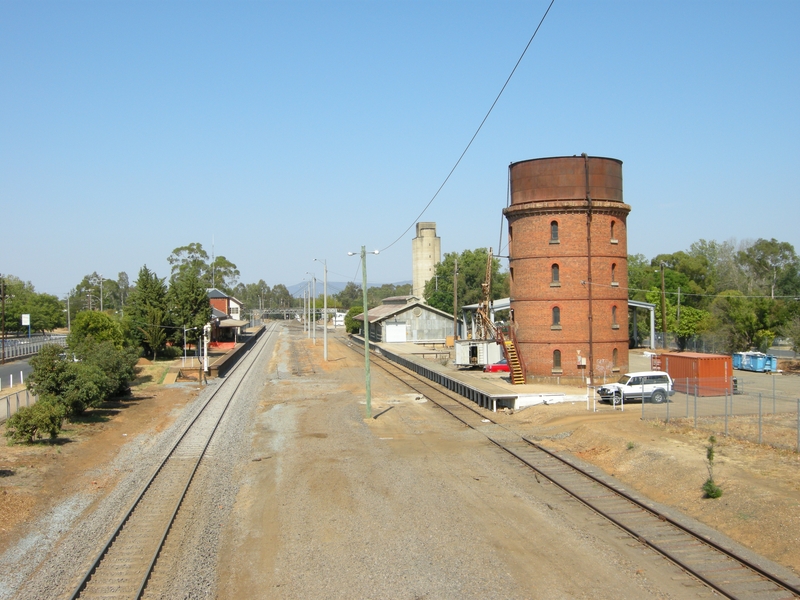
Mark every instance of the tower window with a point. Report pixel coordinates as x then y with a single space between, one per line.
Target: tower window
556 318
613 233
554 276
556 360
615 358
614 281
614 324
554 232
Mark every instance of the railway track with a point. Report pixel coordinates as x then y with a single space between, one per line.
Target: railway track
123 567
720 568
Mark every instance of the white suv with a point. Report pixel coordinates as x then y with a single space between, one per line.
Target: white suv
655 386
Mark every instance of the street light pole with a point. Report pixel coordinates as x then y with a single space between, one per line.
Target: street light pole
366 327
313 321
324 309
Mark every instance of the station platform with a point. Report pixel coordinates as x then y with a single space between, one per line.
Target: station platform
489 390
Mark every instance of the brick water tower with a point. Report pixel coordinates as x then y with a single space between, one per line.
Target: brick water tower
568 264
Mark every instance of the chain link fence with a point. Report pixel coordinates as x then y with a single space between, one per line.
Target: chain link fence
762 409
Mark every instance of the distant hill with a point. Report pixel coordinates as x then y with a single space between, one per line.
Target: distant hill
334 287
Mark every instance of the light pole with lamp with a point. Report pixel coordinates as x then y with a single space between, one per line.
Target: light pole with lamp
366 326
313 321
324 309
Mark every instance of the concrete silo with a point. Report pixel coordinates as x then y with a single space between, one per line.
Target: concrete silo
568 267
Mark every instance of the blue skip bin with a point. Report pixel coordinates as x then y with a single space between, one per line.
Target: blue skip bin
755 361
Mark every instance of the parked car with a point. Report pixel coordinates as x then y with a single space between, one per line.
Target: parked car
651 386
501 366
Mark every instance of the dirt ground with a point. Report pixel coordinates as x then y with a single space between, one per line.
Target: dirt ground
36 477
760 506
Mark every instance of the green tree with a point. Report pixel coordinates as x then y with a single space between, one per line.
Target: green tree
219 273
350 323
92 326
471 275
150 294
767 262
745 323
190 306
351 295
75 386
153 332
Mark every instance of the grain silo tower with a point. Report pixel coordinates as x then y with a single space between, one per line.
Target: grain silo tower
568 266
426 253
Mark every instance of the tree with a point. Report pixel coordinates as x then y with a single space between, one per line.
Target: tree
190 306
150 294
471 275
45 310
219 273
191 257
92 326
767 262
75 386
745 322
350 323
792 331
153 331
351 295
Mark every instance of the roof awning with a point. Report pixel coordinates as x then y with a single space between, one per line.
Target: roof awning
233 323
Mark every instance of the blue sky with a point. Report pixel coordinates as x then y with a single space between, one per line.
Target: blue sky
288 131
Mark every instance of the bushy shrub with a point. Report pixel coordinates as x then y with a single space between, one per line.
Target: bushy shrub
118 365
350 323
103 370
34 422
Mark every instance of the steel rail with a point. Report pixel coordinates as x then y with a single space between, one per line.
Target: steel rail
96 562
423 384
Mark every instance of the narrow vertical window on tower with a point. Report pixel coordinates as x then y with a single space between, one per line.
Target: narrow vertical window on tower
614 324
556 360
556 318
614 281
554 276
615 359
554 232
613 234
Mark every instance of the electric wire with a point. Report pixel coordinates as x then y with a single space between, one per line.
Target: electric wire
475 135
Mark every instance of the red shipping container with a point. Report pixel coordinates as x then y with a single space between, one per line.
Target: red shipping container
709 374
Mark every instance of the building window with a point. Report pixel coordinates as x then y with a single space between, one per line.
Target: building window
556 318
554 232
556 360
614 358
613 233
614 324
614 281
554 276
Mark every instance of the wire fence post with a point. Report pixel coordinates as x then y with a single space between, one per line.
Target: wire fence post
695 406
798 425
687 397
759 417
773 394
726 411
668 410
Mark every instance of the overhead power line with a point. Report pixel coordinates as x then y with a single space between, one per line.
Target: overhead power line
477 131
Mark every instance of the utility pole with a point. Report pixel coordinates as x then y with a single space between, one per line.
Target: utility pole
368 383
663 310
324 308
455 302
3 296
